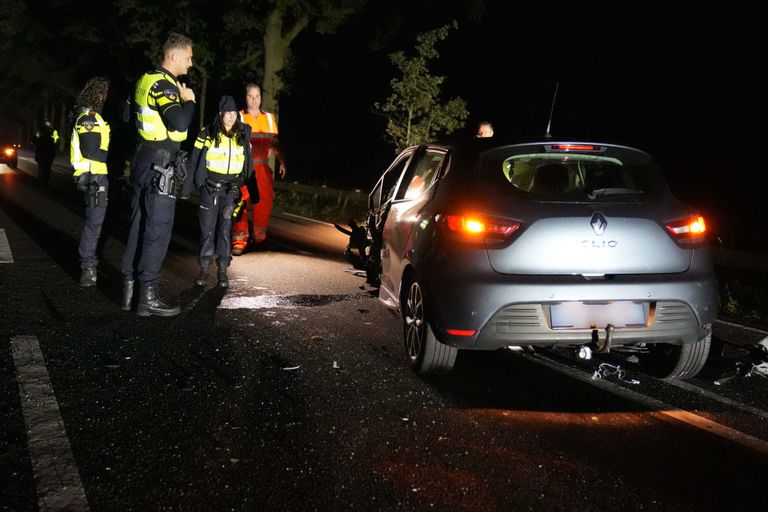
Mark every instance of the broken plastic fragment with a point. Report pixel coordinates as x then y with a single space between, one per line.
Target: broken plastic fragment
606 370
335 364
292 367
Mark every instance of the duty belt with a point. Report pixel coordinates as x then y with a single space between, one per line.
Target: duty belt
226 185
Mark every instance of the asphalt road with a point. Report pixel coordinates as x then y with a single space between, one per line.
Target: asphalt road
290 392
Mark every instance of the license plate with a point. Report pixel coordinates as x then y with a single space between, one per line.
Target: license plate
577 315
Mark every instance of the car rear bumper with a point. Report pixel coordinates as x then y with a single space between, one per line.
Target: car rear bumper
508 310
530 324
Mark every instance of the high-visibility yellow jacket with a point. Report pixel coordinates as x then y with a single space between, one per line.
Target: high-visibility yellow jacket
219 157
156 92
90 143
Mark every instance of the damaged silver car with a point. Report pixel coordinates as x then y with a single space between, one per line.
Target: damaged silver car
543 244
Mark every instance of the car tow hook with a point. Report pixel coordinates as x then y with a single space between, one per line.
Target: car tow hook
604 346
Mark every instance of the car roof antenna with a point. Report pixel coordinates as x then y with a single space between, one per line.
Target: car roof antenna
552 111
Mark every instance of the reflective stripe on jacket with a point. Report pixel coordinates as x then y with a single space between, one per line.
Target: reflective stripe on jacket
263 133
226 156
89 122
149 100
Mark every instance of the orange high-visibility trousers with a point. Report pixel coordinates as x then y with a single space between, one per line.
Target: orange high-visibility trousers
261 210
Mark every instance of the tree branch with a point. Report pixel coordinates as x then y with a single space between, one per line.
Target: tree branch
300 25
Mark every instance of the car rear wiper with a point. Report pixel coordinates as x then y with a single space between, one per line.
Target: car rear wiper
599 192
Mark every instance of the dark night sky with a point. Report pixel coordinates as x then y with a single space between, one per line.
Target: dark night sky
677 83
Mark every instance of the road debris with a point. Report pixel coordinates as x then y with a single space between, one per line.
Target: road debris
606 370
335 365
754 363
288 368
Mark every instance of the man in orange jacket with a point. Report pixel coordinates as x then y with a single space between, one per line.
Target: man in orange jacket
263 140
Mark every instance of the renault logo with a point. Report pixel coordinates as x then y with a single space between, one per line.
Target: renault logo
598 223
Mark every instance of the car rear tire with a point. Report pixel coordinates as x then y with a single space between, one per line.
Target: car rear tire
426 355
678 362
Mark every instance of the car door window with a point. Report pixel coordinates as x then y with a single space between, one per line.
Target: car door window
419 177
385 188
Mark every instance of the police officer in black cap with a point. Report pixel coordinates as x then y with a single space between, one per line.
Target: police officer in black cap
163 108
222 162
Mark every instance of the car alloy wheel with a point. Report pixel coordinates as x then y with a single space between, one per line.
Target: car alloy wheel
414 322
426 355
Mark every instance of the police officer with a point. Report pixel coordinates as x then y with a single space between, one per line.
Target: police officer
88 154
45 149
222 162
163 109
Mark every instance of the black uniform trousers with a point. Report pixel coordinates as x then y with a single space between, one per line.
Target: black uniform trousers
152 216
215 214
94 220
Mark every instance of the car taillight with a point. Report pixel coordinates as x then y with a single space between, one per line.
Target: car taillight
460 332
480 227
9 151
688 230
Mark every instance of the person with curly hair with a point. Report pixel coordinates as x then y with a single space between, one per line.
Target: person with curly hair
88 155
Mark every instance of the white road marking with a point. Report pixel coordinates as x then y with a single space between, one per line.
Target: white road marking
659 407
57 479
6 256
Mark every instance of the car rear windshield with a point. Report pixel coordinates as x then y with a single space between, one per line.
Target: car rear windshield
606 174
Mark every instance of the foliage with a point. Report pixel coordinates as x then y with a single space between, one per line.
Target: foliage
276 24
743 295
35 59
328 208
149 23
413 110
234 39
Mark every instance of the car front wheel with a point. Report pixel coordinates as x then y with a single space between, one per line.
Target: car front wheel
426 355
678 362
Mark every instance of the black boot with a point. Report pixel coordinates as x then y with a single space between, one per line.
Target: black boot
127 294
150 303
202 277
223 279
88 277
